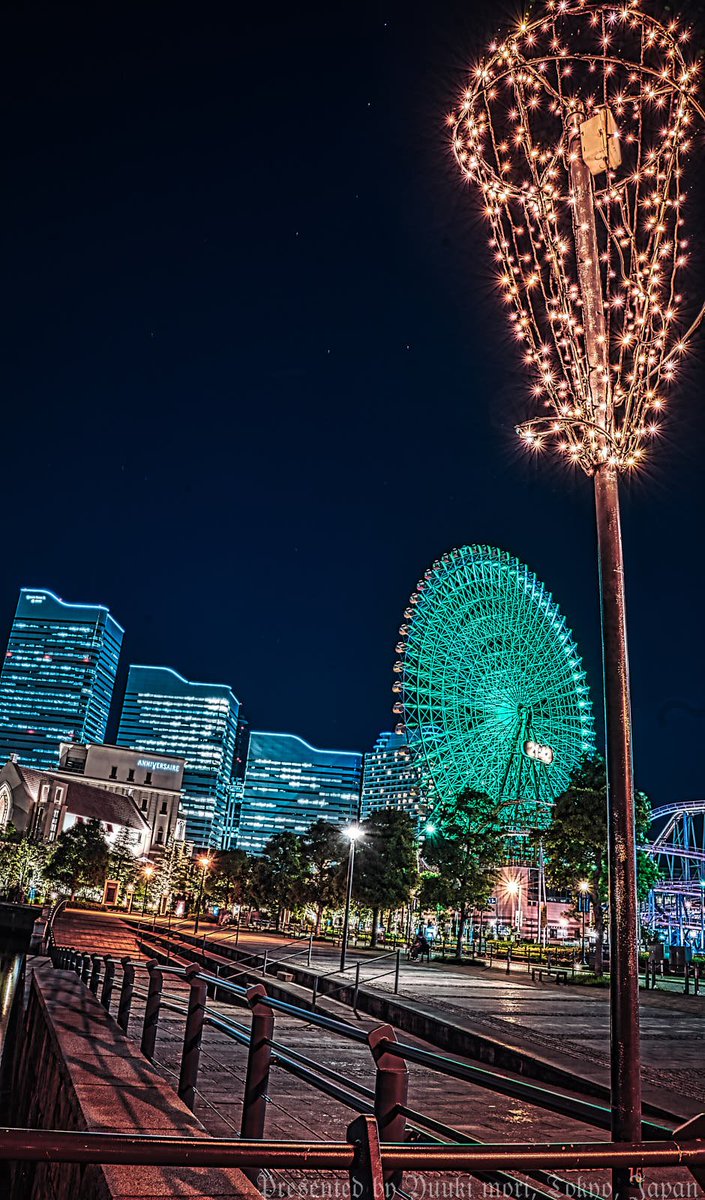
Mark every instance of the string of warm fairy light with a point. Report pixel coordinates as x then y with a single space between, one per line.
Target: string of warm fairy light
509 137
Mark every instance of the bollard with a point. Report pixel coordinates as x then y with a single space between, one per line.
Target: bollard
151 1011
391 1093
108 980
126 991
509 958
491 952
95 974
191 1053
86 965
259 1057
397 966
357 987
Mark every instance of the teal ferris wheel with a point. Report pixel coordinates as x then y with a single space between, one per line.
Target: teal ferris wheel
490 685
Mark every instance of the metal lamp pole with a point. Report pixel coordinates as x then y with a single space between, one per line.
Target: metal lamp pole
204 863
353 833
624 980
148 872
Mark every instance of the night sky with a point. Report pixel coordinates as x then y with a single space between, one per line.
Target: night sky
257 377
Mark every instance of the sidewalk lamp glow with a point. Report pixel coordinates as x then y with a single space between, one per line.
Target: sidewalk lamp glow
147 872
205 862
354 834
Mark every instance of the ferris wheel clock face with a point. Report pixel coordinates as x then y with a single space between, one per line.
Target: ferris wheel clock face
491 686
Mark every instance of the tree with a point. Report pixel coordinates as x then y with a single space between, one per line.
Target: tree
466 853
576 842
122 864
279 875
21 864
386 863
173 871
324 851
228 882
79 858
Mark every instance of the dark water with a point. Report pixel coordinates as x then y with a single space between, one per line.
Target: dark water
10 967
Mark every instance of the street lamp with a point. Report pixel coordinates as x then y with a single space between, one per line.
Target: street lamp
583 888
576 127
204 862
353 833
147 872
514 890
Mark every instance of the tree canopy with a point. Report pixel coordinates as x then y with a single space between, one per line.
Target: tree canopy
386 863
465 853
576 842
278 877
324 849
79 858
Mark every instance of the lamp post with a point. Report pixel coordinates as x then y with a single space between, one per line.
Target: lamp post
514 890
204 862
583 888
353 833
147 872
576 127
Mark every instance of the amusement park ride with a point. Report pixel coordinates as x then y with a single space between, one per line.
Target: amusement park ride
675 910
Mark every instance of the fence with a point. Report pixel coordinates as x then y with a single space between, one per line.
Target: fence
386 1104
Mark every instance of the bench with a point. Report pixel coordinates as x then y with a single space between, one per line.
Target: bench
561 975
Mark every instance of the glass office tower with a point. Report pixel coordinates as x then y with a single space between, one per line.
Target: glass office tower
57 677
288 785
391 778
163 713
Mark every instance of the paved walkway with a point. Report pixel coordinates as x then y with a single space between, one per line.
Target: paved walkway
554 1021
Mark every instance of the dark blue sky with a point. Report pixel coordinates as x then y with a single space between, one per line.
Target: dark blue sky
256 377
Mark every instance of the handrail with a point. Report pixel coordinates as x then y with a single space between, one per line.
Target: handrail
50 1145
569 1106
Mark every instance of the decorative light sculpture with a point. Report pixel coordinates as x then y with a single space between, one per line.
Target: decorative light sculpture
576 128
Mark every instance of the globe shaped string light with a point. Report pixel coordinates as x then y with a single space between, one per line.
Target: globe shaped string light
608 88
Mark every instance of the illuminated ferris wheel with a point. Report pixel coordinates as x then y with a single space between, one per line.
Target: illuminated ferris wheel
490 685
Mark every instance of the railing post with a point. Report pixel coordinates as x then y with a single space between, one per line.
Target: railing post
314 992
95 974
509 958
366 1176
310 949
108 980
86 965
259 1057
357 987
151 1011
686 980
191 1054
397 965
126 991
264 960
391 1092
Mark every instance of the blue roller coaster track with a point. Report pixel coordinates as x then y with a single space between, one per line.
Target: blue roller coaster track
675 908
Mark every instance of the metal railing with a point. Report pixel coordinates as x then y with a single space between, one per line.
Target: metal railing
387 1101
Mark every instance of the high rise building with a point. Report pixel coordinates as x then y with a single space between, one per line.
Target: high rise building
57 678
391 778
288 785
163 713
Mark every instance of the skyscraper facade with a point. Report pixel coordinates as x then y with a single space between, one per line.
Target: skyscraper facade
57 678
288 785
163 713
391 778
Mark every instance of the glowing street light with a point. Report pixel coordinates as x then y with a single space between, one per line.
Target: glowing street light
513 889
576 128
147 873
583 888
205 862
354 834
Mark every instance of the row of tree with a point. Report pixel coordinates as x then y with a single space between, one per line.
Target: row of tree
455 869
